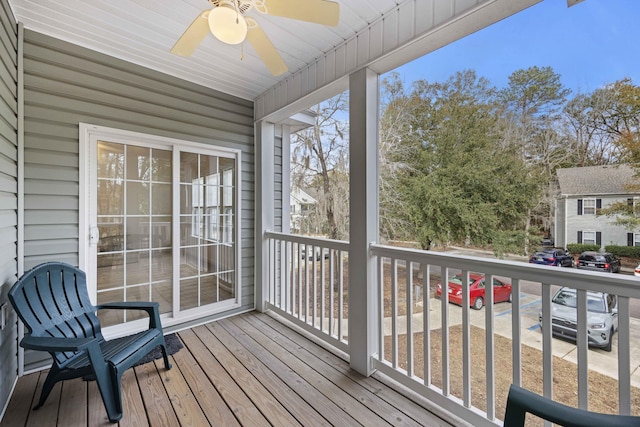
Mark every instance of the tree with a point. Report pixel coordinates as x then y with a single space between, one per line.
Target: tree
395 130
320 161
462 183
620 120
531 105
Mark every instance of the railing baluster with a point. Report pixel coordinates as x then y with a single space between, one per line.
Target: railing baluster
444 309
408 269
516 334
314 286
582 349
489 344
624 356
300 282
271 278
547 344
466 340
381 286
333 308
323 285
282 274
341 295
426 323
394 313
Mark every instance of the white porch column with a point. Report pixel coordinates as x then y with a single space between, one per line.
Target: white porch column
363 217
264 161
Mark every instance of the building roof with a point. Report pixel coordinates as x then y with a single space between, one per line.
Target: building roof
596 180
300 196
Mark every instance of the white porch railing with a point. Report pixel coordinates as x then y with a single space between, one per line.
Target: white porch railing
458 358
308 284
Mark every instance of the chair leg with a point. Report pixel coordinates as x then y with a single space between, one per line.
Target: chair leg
165 356
49 382
107 384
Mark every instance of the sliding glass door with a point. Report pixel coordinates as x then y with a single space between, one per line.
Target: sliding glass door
163 226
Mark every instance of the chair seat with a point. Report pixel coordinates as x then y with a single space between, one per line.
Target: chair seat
118 350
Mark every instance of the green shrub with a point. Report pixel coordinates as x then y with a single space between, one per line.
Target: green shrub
624 251
578 248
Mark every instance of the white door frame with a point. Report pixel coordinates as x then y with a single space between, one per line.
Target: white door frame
87 233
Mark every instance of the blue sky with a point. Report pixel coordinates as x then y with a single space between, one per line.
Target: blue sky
590 44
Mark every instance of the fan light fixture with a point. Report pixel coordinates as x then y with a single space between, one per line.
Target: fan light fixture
227 24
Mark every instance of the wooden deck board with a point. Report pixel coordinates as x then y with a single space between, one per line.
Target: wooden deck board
248 370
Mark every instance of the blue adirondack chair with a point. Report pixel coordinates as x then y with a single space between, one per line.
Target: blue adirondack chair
521 401
52 301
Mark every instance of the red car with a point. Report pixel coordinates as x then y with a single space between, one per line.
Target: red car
501 290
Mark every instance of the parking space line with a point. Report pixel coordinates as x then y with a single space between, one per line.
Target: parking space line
522 306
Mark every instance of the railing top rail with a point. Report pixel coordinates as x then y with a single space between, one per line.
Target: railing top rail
618 284
339 245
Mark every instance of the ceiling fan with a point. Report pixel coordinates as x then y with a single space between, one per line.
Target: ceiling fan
228 23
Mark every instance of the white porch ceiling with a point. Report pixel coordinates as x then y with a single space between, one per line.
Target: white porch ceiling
143 32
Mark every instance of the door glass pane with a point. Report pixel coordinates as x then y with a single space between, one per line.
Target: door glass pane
206 193
134 216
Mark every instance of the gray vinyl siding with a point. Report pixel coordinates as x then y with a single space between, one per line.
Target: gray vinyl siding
65 85
611 234
8 194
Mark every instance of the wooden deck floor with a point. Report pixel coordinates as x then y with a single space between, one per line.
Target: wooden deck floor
248 370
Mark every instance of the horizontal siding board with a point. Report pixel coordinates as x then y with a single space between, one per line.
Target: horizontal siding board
65 231
8 166
55 130
8 234
48 187
50 247
8 219
49 202
49 171
8 122
8 183
8 147
50 217
8 201
45 142
49 157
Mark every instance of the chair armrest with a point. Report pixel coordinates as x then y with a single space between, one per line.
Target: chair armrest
521 401
55 344
152 308
147 306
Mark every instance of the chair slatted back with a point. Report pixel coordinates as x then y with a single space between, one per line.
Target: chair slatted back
53 301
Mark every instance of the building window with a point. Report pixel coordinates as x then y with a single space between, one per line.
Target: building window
589 237
589 207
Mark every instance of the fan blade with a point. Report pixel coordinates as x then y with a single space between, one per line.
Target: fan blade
267 51
193 36
317 11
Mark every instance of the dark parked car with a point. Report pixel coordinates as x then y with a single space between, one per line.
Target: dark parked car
556 257
599 261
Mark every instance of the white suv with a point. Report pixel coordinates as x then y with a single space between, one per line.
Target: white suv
602 316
